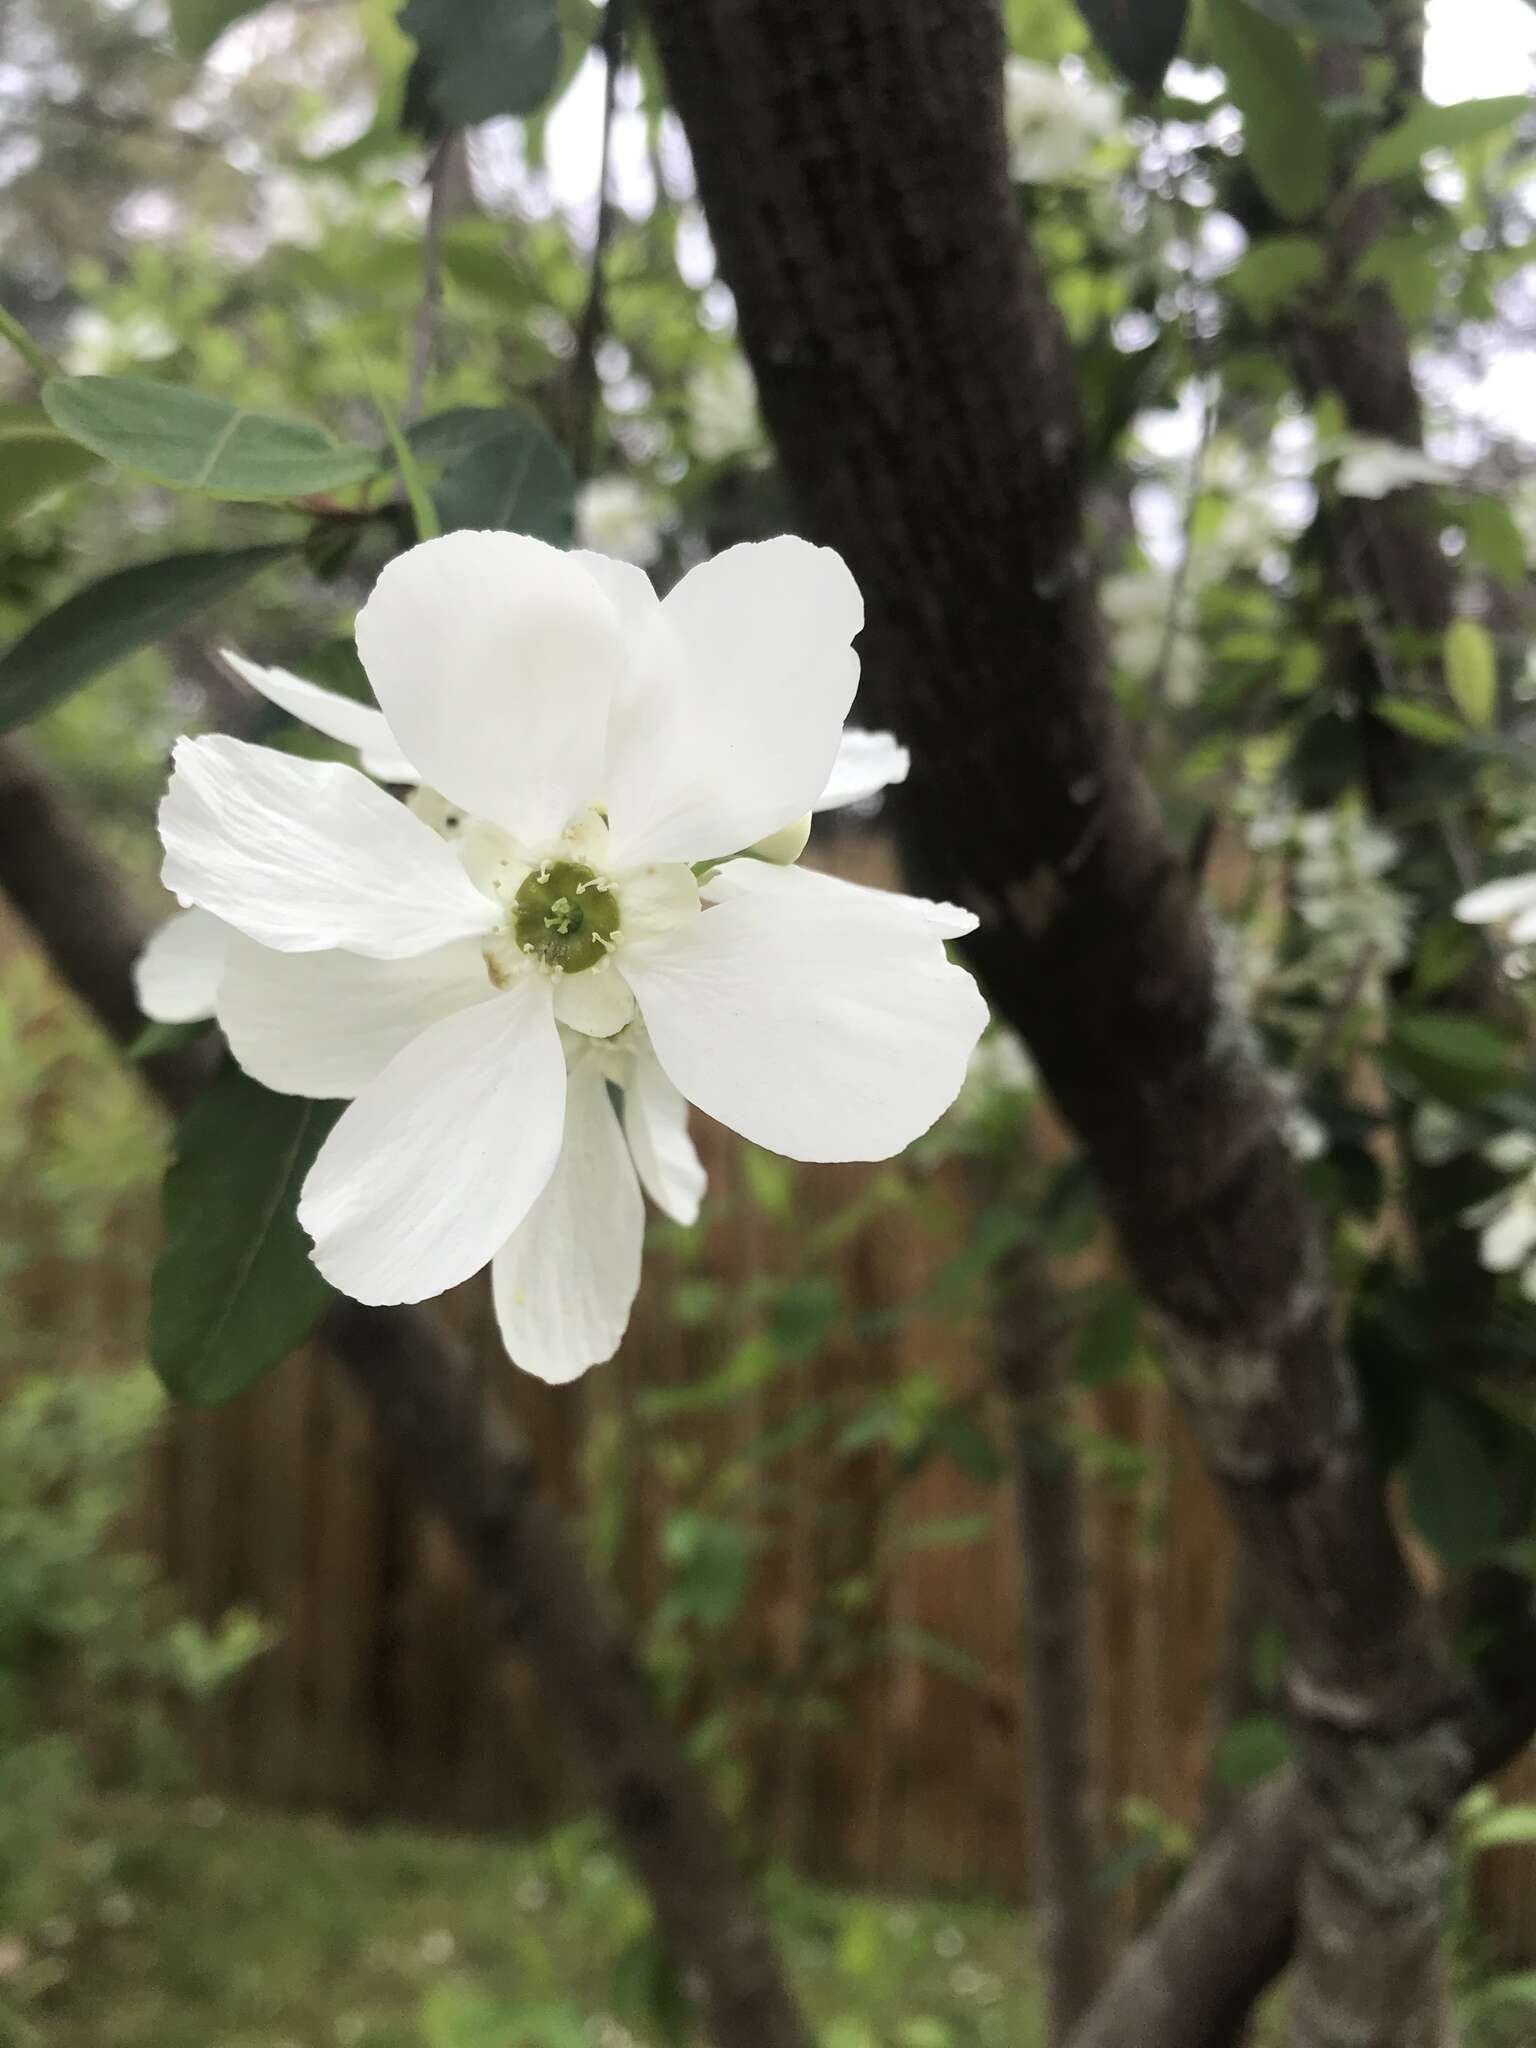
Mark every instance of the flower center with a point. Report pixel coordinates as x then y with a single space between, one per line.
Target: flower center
566 916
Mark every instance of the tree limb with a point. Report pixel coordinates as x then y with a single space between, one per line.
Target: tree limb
920 389
475 1469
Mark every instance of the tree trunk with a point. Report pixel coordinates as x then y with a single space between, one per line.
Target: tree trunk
476 1471
1067 1843
921 393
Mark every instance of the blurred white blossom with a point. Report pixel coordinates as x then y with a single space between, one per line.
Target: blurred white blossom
96 346
1054 123
618 516
722 410
1373 468
1507 1220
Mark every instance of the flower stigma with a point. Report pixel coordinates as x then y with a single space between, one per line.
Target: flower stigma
565 917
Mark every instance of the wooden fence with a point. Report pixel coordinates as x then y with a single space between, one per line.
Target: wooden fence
385 1696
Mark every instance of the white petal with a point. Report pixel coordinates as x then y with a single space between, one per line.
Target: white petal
566 1278
1522 929
809 885
597 1002
1510 1238
656 1125
1496 901
655 900
441 1157
731 713
810 1026
326 1024
866 763
496 658
338 717
176 977
628 589
306 855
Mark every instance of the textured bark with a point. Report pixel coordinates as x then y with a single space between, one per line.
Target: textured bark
1067 1843
920 391
475 1470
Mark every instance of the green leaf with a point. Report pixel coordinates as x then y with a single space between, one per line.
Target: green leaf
1271 83
1396 153
11 330
1420 721
1453 1487
1334 21
480 58
36 460
1507 1827
942 1532
1140 38
1493 537
1472 672
107 621
198 24
501 470
197 443
1249 1750
1272 272
1108 1346
235 1290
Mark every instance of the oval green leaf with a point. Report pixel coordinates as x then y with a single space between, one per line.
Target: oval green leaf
1285 141
1140 38
235 1290
1333 21
36 460
1397 153
1472 672
479 59
107 621
500 469
197 443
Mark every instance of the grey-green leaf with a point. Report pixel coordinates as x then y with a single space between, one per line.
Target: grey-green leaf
500 469
235 1290
1333 21
107 621
1397 153
482 58
1140 38
197 443
1285 130
36 460
198 24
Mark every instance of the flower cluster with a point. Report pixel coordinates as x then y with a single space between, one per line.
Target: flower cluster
566 910
1054 123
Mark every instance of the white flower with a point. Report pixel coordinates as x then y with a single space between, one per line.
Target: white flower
618 516
95 344
1510 903
476 969
722 408
1054 124
1372 468
1508 1220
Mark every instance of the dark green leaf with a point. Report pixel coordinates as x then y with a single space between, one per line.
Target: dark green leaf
1140 38
943 1532
155 1039
1420 721
966 1444
479 58
501 470
1108 1346
1249 1750
235 1290
1335 21
35 460
803 1312
1397 153
198 24
1453 1484
107 621
1285 131
1493 537
197 443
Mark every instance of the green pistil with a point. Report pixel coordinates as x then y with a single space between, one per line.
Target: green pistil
562 916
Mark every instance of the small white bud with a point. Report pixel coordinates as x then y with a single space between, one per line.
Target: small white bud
784 847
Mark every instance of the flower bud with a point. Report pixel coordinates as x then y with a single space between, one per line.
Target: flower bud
784 847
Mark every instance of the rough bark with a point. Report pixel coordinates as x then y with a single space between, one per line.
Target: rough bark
920 390
1067 1836
473 1467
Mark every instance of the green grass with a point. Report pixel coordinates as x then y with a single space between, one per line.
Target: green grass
206 1928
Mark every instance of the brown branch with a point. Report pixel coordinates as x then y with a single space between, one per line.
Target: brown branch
584 384
921 392
439 179
474 1468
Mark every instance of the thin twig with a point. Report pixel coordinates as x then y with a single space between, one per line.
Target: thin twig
583 387
424 333
1179 587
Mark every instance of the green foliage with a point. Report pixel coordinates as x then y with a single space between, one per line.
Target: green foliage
1396 154
235 1290
1331 21
500 469
1269 275
198 24
107 621
1286 143
480 58
1140 38
89 1641
36 461
1472 672
197 443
